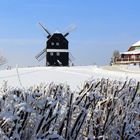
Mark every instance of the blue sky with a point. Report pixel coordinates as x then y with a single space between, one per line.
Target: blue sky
102 27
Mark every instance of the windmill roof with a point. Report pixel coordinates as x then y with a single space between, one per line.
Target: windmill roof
57 32
55 35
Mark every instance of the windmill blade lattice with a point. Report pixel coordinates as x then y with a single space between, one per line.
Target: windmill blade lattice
41 55
69 29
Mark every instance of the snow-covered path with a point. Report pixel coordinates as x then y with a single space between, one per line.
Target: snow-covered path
128 69
74 76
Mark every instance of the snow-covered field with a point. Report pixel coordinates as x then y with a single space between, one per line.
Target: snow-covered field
100 104
73 76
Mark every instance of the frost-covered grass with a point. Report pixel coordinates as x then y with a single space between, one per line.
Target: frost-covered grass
102 109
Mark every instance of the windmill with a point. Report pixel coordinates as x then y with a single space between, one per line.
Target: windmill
56 50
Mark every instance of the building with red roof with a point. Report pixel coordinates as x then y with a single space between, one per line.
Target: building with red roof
131 56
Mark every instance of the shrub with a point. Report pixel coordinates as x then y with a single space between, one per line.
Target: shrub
102 109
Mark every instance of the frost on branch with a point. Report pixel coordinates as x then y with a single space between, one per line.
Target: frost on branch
101 110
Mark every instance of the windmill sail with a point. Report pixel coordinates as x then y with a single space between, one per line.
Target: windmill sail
41 55
49 34
71 58
69 29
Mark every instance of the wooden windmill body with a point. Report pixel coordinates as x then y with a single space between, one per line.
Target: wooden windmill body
56 51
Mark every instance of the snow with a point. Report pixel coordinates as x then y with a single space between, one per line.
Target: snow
132 52
74 76
137 43
102 108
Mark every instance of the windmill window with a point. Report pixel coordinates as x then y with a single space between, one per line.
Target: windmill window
52 43
51 53
58 53
57 43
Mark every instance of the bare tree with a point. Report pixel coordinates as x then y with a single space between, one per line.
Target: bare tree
2 60
115 55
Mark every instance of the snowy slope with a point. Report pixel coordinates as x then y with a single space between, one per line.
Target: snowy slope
73 76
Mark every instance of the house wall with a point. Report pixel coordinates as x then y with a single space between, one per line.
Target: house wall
128 59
